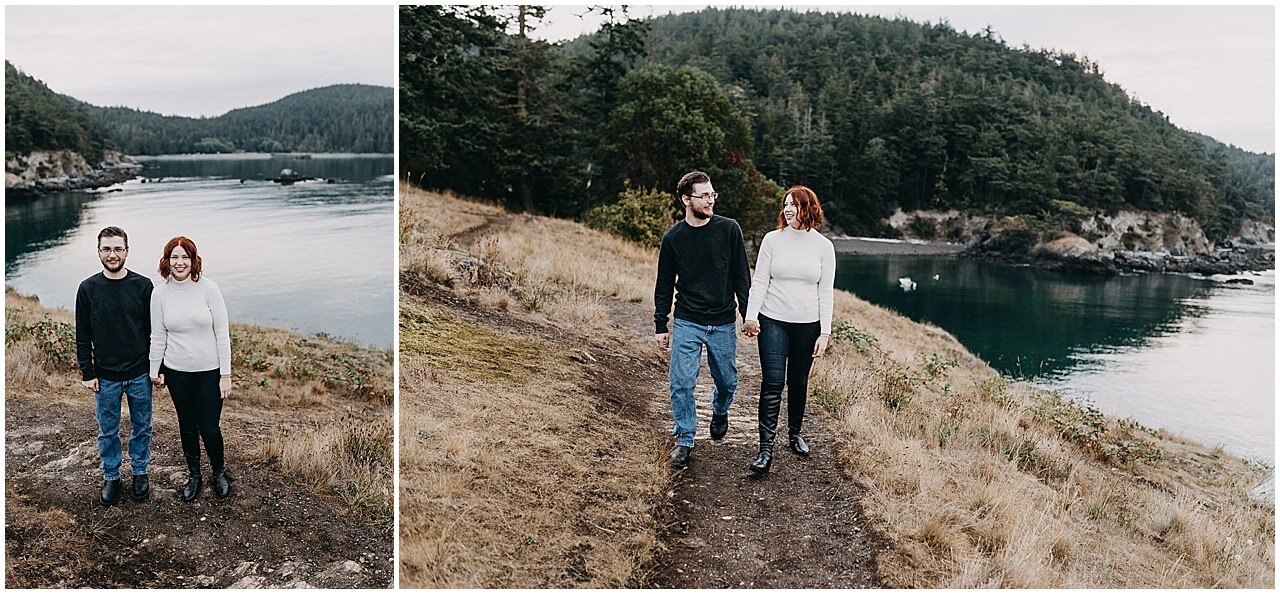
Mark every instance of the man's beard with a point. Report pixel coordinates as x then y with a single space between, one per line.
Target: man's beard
119 265
698 214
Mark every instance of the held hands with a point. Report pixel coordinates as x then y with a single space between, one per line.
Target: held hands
820 347
224 387
91 384
663 340
751 328
158 381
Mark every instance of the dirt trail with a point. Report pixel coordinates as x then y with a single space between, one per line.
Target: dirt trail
801 526
272 531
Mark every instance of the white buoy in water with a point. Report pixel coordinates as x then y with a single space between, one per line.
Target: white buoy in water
907 284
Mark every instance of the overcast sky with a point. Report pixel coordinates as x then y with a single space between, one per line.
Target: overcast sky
196 61
1210 69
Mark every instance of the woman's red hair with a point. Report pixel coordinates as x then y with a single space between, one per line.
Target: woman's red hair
187 246
808 211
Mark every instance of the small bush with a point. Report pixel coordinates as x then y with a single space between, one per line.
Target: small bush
923 227
639 215
55 340
845 331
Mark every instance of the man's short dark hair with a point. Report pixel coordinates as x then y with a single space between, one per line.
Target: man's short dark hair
685 186
113 232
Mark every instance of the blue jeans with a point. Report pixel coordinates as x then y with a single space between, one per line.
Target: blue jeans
687 340
138 392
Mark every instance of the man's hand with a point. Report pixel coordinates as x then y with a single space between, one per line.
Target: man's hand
158 381
664 340
91 384
820 347
224 387
751 328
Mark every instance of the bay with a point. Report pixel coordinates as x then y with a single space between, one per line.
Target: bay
314 257
1188 354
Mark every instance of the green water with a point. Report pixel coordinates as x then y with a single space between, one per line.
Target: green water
1188 354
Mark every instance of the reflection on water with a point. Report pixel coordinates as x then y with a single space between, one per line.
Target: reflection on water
314 256
35 225
1026 322
1190 355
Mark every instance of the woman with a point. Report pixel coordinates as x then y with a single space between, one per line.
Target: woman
191 353
790 310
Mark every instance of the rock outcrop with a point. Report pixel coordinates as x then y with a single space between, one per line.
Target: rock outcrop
1100 243
32 174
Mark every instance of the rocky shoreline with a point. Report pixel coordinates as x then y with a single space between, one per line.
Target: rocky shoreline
1097 243
37 173
1226 260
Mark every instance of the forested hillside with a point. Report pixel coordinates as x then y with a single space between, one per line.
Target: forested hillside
874 114
337 118
37 118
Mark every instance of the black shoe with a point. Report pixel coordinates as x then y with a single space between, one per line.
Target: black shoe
719 425
763 461
680 456
192 490
141 487
799 446
221 486
110 492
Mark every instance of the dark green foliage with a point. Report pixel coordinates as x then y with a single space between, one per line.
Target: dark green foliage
333 119
36 118
873 114
642 216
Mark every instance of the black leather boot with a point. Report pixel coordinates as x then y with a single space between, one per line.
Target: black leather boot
798 445
110 492
141 487
763 460
770 402
194 482
719 425
221 485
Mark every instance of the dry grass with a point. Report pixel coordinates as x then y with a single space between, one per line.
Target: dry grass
328 400
986 484
973 478
512 471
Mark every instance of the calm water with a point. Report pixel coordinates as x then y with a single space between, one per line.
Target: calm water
313 257
1190 355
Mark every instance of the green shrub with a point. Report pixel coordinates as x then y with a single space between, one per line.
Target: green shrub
640 215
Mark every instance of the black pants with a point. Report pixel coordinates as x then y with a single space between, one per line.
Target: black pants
786 355
199 405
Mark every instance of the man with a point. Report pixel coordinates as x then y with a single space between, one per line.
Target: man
113 333
704 259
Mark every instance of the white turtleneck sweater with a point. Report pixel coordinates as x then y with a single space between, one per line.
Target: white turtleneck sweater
189 327
794 279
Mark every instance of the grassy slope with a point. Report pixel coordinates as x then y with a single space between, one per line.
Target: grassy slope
979 482
325 405
522 463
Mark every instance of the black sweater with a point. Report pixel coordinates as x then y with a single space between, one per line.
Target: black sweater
113 326
707 267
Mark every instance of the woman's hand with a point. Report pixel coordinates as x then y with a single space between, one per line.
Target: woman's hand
751 328
224 387
820 347
158 381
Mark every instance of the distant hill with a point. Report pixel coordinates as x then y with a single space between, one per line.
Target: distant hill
337 118
1259 169
877 113
874 114
36 118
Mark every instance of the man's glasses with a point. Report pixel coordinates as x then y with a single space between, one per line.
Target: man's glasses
705 197
117 250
